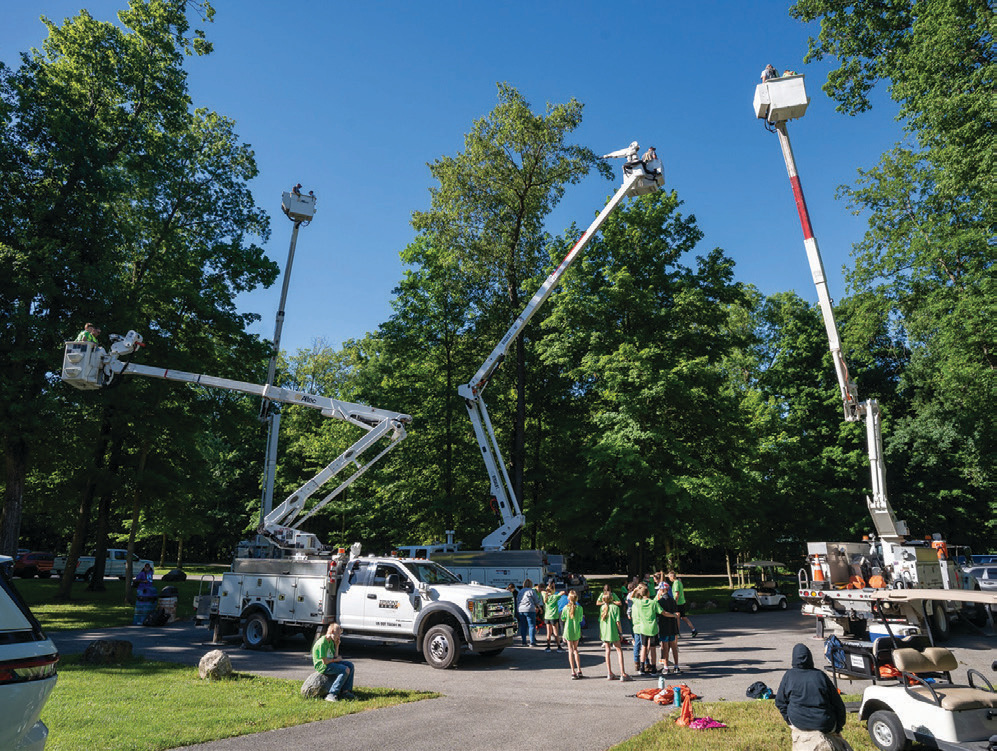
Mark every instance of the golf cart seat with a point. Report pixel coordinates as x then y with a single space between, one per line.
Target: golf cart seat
940 661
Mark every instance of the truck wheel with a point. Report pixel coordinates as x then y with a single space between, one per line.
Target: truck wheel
783 604
441 647
257 632
48 575
886 731
753 607
941 627
28 572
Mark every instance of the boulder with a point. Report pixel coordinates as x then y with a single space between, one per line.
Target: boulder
107 652
711 605
176 575
316 686
214 666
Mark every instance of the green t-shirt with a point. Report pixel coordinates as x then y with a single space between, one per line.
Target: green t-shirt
572 626
678 592
324 647
645 616
550 606
608 628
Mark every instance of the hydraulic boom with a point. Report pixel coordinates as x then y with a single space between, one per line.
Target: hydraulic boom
87 366
639 178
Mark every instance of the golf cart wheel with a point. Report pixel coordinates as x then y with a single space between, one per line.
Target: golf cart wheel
941 627
783 604
753 607
886 732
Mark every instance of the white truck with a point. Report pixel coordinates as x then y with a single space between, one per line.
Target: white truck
378 599
115 564
299 585
838 589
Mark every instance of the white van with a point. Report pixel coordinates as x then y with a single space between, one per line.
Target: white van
27 669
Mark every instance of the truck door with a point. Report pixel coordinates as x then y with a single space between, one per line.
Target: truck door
352 597
385 609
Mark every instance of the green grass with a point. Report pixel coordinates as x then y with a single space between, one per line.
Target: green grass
751 726
158 705
91 610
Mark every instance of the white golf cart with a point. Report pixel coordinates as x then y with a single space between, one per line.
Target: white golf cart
928 707
764 593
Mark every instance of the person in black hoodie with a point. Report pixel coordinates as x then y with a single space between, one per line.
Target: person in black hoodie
811 705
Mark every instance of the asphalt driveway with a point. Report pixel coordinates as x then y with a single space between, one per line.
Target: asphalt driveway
523 698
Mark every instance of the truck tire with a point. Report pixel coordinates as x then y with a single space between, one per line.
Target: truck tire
941 626
886 731
440 647
257 631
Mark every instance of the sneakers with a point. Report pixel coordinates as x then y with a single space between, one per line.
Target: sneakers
547 650
349 695
610 677
674 670
331 697
625 677
695 632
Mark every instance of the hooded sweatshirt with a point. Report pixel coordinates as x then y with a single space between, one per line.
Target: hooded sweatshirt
806 697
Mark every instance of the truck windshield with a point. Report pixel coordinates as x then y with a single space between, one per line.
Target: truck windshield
431 573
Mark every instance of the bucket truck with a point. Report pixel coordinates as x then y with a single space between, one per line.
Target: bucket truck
843 574
493 563
304 585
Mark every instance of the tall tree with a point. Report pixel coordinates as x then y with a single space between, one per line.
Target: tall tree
928 257
489 208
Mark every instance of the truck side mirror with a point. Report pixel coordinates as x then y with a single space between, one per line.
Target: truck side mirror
408 586
392 583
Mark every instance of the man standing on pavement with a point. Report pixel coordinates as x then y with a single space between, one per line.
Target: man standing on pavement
811 705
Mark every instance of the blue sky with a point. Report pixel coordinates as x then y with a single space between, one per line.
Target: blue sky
354 99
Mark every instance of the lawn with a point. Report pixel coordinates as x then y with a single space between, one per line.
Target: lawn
751 726
90 610
158 705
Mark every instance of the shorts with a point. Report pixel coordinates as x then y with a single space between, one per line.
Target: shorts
666 639
612 643
649 641
682 610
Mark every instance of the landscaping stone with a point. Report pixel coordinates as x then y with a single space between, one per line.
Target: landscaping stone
711 604
215 665
176 575
107 652
316 686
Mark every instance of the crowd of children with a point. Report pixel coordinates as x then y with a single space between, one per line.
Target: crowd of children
654 610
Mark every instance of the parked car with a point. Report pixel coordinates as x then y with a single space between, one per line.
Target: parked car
33 563
27 669
985 575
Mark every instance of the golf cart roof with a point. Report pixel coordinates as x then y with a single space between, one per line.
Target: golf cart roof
761 564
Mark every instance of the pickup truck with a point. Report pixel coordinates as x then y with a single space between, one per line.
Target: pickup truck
113 566
376 599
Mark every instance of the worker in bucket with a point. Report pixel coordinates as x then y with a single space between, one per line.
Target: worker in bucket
89 334
811 705
769 73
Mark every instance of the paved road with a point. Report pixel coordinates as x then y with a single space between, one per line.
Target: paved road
523 698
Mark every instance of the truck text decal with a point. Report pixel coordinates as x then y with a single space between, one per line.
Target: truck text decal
393 604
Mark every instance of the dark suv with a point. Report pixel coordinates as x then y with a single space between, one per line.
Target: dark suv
29 565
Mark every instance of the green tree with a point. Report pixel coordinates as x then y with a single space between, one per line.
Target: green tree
489 207
927 259
126 206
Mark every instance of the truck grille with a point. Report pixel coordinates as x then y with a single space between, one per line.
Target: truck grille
498 609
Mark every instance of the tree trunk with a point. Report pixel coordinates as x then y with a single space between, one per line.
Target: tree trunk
180 552
86 503
16 466
133 527
730 573
96 583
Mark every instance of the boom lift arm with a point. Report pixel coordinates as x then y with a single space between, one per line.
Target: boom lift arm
777 101
87 366
639 178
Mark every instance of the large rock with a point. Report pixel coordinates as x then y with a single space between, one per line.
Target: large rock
107 652
176 575
317 685
215 665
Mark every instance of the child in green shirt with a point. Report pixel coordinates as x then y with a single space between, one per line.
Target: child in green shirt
609 632
572 615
